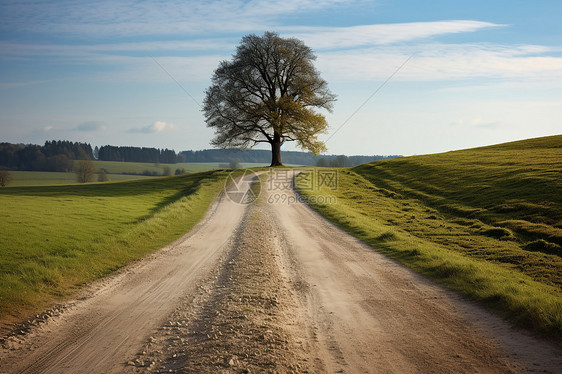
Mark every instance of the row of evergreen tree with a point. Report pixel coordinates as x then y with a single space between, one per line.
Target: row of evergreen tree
135 154
59 155
53 156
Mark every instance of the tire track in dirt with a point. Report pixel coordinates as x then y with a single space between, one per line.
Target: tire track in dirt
242 321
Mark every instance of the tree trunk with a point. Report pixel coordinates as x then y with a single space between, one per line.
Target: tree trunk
276 151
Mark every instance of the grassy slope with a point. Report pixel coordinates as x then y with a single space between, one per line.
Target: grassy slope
57 238
514 185
484 221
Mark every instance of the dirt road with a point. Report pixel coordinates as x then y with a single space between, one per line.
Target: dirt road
272 288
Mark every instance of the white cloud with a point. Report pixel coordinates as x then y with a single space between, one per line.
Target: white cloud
358 52
433 62
134 18
156 127
160 126
20 50
367 35
316 37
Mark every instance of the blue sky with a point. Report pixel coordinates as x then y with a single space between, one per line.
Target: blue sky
480 72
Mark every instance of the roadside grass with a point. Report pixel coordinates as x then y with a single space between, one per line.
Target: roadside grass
445 216
56 238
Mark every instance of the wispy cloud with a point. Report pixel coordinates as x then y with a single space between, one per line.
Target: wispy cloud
156 127
188 38
134 18
318 38
90 126
436 61
368 35
10 85
11 50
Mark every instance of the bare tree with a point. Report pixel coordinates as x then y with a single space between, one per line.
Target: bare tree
5 178
267 94
85 171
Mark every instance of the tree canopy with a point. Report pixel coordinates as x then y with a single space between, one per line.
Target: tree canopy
268 93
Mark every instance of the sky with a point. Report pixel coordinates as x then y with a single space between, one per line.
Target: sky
411 77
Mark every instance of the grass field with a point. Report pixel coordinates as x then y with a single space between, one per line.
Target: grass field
59 237
116 167
116 171
486 222
45 178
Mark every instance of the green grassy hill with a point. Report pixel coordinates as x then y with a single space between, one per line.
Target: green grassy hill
55 238
515 187
486 222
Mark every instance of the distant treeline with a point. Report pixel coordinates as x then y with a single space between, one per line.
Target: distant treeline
60 155
135 154
53 156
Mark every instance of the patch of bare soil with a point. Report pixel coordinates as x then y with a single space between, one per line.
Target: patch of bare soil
242 320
